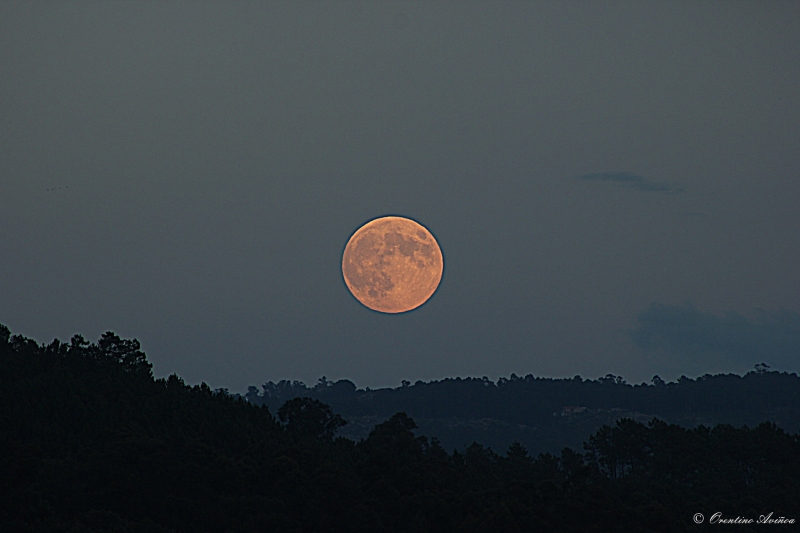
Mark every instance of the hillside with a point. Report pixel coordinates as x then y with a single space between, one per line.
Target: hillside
545 414
91 442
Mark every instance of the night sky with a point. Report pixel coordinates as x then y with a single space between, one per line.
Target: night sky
614 185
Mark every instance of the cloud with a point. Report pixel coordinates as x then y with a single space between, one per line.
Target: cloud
632 181
702 337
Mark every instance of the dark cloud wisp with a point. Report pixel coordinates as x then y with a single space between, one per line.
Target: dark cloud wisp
631 181
687 332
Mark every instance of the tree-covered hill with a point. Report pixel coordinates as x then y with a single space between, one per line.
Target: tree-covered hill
548 414
90 441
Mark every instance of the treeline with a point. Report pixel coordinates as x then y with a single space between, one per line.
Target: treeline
90 441
533 400
547 414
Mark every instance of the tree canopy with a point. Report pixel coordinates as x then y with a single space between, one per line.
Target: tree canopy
90 441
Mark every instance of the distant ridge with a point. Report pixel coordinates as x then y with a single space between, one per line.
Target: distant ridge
547 414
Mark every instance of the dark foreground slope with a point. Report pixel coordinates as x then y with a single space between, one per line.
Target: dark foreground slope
89 441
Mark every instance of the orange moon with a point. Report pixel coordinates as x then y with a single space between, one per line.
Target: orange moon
392 264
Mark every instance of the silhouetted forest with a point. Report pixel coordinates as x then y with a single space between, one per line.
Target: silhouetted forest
90 441
547 414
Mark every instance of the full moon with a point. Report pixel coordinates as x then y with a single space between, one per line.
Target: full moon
392 264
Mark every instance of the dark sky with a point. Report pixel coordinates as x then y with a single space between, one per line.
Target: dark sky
614 185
